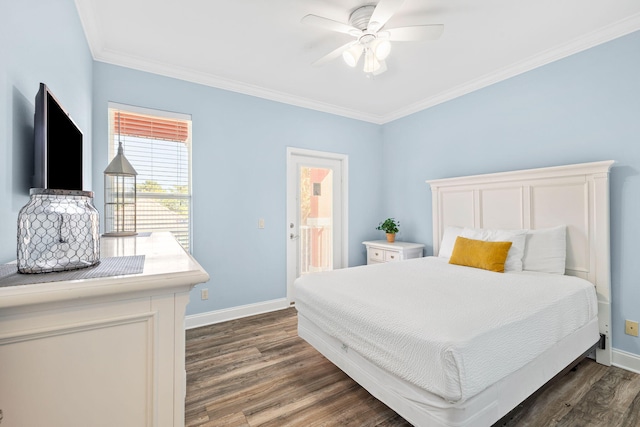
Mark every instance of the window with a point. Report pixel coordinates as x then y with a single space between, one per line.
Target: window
158 146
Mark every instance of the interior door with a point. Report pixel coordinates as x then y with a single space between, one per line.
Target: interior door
316 232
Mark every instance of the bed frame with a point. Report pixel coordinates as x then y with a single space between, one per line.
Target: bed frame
575 195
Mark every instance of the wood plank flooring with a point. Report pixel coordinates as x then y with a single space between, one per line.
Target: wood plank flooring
256 371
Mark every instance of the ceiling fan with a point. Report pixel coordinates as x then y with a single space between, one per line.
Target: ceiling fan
367 25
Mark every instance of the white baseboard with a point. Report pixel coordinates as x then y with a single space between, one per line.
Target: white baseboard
217 316
624 360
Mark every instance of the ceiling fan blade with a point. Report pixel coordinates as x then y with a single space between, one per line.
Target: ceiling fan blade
415 33
382 13
333 54
329 24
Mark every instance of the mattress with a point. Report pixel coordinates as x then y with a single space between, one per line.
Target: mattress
450 330
422 408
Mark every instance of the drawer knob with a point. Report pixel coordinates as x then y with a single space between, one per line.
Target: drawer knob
392 256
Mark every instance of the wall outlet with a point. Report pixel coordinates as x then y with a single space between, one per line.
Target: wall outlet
261 223
631 328
204 294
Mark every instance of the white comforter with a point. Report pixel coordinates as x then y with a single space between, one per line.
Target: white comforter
448 329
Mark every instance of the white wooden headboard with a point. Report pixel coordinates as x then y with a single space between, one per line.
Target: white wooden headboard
573 195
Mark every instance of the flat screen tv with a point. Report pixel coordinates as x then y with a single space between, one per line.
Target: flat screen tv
58 145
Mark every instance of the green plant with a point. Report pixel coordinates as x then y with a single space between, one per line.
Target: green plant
389 225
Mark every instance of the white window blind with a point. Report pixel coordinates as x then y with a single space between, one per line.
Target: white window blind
159 148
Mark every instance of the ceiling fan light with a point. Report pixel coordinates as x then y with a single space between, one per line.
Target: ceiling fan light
371 64
352 55
382 49
381 69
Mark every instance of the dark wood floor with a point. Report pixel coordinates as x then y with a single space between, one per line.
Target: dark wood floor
257 372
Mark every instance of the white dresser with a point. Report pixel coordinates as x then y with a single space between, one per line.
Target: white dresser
379 251
100 352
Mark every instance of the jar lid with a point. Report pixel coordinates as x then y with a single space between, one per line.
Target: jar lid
56 192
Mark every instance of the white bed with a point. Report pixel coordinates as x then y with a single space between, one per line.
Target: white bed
370 320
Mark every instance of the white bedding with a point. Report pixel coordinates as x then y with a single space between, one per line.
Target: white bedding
450 330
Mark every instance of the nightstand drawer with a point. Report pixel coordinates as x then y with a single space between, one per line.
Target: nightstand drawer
376 254
379 251
391 256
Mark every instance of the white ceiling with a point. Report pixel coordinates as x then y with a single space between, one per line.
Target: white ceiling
259 47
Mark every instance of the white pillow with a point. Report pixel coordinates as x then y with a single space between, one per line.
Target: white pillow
546 250
448 241
516 237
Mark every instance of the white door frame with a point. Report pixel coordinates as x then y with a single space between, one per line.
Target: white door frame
292 210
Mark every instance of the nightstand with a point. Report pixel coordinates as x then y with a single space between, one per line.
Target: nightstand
379 251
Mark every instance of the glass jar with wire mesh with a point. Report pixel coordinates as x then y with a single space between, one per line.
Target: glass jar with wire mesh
58 230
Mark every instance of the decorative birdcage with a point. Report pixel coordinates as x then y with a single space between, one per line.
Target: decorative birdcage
120 196
58 230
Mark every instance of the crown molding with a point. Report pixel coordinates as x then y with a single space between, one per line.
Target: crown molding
180 73
595 38
603 35
90 26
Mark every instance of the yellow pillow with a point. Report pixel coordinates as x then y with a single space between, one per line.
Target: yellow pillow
480 254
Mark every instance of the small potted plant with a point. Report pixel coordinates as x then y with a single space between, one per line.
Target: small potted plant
389 226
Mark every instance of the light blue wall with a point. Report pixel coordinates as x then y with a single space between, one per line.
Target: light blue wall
40 41
239 176
580 109
583 108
